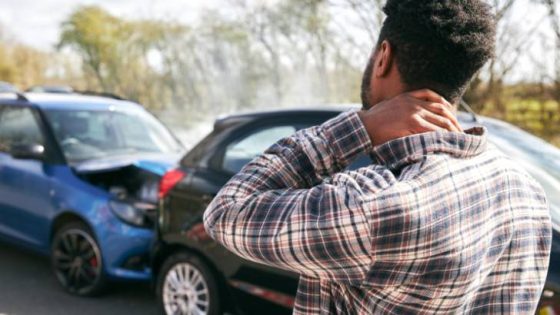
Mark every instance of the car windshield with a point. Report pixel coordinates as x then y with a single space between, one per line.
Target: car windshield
92 134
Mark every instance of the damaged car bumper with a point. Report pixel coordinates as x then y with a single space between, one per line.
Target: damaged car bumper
121 203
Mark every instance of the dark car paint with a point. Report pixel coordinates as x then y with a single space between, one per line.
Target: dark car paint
181 213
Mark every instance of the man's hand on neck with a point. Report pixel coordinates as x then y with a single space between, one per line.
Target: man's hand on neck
408 114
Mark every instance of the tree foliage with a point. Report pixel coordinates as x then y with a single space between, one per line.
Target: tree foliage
261 54
116 52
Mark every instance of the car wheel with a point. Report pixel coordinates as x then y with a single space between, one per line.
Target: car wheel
187 286
76 260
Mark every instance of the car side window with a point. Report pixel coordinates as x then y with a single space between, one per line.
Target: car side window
18 126
241 152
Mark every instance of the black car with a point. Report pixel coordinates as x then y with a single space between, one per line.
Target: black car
198 276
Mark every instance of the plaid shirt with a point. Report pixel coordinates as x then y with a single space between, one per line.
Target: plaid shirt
440 223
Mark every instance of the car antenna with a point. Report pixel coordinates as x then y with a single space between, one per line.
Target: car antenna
102 94
469 110
21 97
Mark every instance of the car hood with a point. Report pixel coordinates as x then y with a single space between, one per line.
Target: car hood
153 163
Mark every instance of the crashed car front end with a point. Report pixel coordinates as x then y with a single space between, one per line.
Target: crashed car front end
133 185
123 195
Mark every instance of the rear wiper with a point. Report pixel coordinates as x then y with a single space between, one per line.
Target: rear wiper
469 110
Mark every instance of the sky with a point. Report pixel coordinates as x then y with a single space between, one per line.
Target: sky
37 22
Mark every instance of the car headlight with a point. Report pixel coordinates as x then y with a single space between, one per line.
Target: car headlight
128 213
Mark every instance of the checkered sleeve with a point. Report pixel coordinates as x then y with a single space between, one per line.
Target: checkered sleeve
292 207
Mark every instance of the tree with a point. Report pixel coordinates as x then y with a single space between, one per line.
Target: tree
487 87
96 36
553 9
20 64
115 52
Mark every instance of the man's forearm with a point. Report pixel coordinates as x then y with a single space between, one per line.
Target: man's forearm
300 161
292 193
308 157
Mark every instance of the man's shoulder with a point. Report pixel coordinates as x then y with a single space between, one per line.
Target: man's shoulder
491 165
515 175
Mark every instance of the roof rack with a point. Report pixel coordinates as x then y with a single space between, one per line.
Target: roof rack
19 96
59 89
53 89
103 94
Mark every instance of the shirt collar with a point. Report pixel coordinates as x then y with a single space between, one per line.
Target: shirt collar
400 152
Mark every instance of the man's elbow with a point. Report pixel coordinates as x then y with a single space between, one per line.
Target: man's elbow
210 218
218 216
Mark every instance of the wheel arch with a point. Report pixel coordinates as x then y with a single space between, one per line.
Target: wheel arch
65 218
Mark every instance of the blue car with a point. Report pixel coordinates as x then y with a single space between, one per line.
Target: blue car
79 181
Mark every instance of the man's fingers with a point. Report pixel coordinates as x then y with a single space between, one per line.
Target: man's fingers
440 121
442 110
426 126
430 96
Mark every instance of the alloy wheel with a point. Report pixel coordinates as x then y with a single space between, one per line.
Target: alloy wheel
77 261
185 291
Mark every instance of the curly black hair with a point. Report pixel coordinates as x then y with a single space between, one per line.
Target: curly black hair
439 44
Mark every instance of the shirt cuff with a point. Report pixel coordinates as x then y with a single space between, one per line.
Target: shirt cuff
348 137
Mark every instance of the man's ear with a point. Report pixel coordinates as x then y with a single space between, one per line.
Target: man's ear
384 59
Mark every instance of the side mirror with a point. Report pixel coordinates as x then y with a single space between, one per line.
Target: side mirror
27 151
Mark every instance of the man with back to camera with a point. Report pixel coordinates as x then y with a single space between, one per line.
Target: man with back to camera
441 222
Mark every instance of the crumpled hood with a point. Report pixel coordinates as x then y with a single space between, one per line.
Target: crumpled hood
157 164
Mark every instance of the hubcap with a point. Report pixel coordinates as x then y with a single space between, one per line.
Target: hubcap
77 261
185 291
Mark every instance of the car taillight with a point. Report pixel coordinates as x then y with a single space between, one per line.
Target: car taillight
168 181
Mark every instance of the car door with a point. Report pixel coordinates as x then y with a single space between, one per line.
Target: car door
24 183
236 153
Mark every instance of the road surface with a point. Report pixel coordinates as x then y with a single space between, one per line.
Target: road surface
27 286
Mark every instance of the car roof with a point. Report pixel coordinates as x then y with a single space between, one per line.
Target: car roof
229 120
70 101
271 112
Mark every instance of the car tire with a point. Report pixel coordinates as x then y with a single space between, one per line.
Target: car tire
195 281
76 260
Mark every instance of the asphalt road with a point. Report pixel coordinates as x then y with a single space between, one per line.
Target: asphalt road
27 286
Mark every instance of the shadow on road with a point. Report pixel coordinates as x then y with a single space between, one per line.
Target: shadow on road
27 286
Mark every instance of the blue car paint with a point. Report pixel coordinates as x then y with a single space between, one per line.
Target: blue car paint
117 240
24 201
156 164
34 194
154 167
